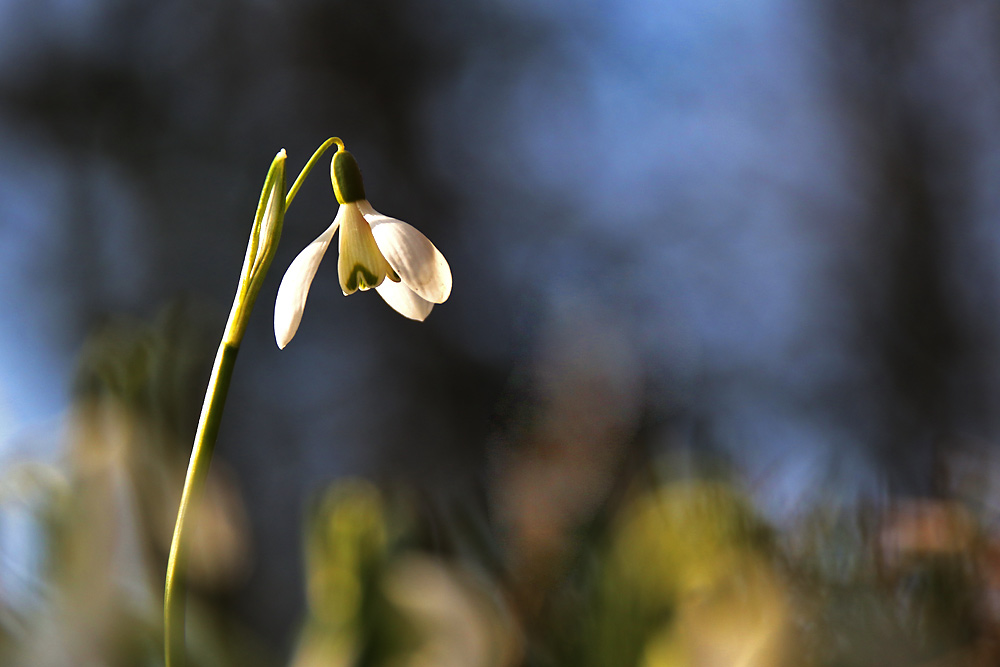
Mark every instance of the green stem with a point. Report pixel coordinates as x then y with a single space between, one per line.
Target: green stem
201 456
260 251
309 165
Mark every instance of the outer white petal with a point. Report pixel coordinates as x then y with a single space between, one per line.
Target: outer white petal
295 285
411 255
404 300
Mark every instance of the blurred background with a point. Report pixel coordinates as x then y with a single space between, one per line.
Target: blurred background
717 383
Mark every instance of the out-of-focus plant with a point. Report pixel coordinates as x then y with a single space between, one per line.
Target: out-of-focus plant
599 555
897 585
347 551
677 574
37 493
374 601
684 576
688 579
459 616
101 515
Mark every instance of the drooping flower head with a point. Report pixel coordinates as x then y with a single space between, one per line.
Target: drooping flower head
376 251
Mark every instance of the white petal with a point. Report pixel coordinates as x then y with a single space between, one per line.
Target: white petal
404 301
411 255
294 288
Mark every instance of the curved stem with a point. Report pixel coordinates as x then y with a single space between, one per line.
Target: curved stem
309 165
263 243
201 456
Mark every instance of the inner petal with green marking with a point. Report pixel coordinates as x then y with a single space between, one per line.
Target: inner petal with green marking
361 265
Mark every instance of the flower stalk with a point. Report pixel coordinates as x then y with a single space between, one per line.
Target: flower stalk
264 237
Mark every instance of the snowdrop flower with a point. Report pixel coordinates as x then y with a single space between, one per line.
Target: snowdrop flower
376 251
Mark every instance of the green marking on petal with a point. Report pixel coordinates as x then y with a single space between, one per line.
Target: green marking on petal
362 279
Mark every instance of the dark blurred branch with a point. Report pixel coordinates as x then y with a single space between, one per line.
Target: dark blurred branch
908 324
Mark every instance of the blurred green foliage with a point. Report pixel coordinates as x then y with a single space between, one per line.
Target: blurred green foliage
683 574
585 551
